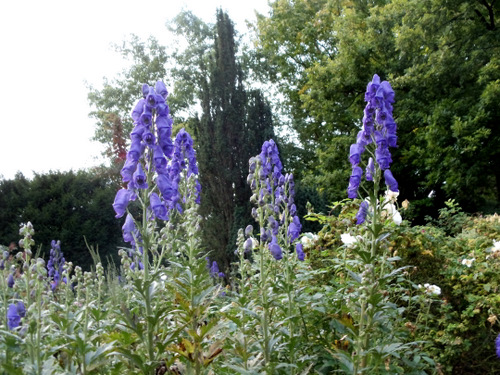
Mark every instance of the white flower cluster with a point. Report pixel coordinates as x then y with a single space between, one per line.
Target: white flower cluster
348 239
390 207
430 289
494 250
308 239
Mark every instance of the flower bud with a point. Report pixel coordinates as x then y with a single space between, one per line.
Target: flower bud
248 245
248 231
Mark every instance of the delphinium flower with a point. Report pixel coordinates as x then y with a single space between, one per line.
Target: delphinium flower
154 165
55 264
379 131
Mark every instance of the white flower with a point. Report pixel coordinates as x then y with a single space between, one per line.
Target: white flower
391 196
308 239
255 243
390 210
431 289
468 262
348 239
496 246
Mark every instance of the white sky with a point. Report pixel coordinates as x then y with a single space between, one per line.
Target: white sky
49 48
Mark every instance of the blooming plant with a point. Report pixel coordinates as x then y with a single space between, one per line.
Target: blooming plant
293 303
372 270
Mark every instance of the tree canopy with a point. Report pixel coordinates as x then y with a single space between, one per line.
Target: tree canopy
441 57
65 206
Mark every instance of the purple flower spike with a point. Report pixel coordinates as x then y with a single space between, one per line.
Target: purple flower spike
352 191
214 269
135 151
138 109
383 158
13 317
121 202
148 138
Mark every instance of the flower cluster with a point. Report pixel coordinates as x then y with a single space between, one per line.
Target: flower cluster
431 290
213 267
274 193
55 264
379 128
154 164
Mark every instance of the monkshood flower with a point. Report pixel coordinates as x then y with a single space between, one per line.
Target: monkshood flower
10 280
273 194
300 251
275 249
214 269
363 211
154 165
13 316
121 202
55 264
379 129
497 345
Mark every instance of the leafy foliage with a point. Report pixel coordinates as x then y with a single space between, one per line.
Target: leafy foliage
74 207
440 58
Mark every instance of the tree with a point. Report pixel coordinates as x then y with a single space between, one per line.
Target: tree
440 56
113 103
64 206
233 125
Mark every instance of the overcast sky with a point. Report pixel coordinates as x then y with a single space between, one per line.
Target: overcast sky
50 48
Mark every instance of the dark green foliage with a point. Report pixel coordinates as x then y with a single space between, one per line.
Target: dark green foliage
234 123
64 206
441 58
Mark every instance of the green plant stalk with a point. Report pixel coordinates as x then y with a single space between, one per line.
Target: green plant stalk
85 326
38 326
4 312
145 263
194 308
366 320
289 287
265 314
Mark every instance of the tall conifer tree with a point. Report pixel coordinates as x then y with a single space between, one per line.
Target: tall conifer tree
233 125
